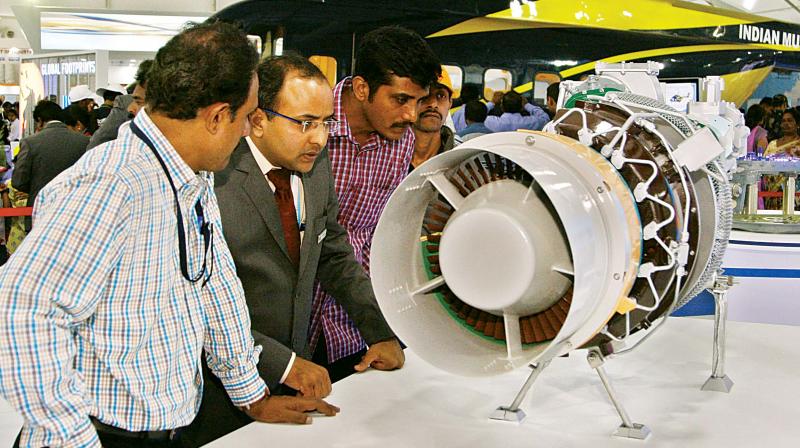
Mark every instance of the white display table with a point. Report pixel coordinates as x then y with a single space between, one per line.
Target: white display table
767 267
659 383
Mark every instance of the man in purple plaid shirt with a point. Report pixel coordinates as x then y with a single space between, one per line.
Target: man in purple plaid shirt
370 153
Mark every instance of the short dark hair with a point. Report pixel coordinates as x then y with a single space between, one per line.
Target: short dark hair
780 100
272 73
209 63
767 101
142 71
74 114
110 95
393 50
512 102
470 92
47 111
754 116
475 111
552 90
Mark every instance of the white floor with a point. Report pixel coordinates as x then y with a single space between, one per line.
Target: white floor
421 406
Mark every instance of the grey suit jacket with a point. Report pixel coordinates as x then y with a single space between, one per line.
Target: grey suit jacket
43 156
109 129
279 298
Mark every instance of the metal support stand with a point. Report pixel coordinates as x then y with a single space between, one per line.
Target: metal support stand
719 381
789 189
513 413
628 428
751 199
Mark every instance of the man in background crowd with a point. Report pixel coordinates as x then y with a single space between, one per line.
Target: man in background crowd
512 119
82 96
125 108
552 98
431 136
140 89
109 94
475 115
469 92
44 155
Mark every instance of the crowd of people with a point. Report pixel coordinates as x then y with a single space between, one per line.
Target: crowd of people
774 127
60 137
774 132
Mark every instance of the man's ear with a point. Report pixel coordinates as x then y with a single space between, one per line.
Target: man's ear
360 88
214 115
257 121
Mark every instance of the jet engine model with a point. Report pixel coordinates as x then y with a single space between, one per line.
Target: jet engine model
516 248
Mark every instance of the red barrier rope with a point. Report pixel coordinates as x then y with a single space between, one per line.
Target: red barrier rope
11 212
772 194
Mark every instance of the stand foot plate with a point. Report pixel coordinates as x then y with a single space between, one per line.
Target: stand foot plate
638 431
718 384
507 415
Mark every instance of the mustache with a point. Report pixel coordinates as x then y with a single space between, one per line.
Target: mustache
431 112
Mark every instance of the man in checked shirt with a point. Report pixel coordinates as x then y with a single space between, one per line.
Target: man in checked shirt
369 152
107 306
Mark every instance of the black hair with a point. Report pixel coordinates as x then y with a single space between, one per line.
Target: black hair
272 73
209 63
110 95
754 116
470 92
74 114
475 111
767 101
552 90
11 110
780 100
393 50
47 111
512 102
142 71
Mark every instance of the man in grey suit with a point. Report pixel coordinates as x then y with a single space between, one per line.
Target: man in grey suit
125 108
279 210
44 155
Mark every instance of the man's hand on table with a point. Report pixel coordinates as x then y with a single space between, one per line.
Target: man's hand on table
384 355
286 409
308 379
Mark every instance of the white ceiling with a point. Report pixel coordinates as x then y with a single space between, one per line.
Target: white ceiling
151 6
784 10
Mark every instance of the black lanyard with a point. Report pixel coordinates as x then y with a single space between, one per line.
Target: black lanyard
206 228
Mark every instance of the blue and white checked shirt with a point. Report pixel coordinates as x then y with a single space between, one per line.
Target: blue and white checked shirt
95 316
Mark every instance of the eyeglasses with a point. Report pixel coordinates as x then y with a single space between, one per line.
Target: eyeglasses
308 125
